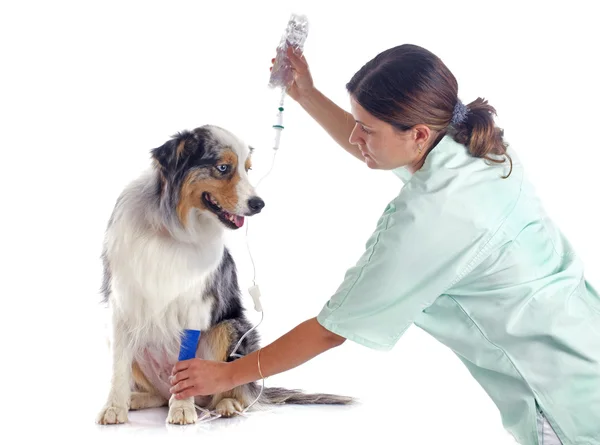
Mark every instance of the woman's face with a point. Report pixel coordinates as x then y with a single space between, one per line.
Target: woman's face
385 147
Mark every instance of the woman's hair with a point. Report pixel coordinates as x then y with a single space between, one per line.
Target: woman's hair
408 85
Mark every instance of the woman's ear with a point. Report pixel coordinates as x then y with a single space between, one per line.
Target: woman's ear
422 135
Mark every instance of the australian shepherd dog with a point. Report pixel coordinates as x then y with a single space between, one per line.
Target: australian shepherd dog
167 269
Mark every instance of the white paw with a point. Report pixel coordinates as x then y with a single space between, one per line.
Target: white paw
111 415
228 407
182 412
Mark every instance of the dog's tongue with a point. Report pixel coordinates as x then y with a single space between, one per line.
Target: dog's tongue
239 220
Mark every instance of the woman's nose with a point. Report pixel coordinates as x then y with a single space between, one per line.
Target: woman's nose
354 139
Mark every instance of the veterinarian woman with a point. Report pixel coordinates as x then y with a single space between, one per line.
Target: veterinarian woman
465 251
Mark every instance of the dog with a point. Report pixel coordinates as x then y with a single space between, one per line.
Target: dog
167 269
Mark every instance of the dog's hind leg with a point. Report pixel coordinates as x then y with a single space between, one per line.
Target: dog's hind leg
149 396
217 345
144 400
118 400
235 401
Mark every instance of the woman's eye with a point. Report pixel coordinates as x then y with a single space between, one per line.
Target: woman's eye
365 130
223 168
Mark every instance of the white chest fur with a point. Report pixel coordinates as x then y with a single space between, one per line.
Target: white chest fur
153 271
157 282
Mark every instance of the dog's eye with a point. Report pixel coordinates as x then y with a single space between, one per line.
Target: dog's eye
223 168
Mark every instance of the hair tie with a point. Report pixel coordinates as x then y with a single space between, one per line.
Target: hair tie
459 115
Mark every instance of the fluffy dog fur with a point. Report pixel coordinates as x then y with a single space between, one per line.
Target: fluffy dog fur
166 268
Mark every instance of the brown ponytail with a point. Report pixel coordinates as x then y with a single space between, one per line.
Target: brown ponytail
480 134
408 85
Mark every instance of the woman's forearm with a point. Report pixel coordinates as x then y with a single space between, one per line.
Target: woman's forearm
337 122
298 346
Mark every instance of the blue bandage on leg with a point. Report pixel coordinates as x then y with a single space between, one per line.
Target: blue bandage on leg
189 343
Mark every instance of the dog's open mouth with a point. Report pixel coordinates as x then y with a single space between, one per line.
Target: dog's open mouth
229 219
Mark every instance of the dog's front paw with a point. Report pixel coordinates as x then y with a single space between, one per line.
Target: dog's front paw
111 415
228 407
182 412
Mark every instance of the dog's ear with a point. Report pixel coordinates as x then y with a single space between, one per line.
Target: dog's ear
166 155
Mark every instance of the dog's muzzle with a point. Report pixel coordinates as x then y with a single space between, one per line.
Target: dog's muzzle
255 204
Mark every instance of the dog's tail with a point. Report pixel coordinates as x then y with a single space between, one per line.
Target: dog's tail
296 397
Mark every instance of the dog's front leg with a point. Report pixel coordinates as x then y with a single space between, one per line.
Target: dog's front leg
184 411
117 403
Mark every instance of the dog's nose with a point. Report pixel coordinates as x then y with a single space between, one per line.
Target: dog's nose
256 204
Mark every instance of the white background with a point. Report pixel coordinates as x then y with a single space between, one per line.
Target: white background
88 88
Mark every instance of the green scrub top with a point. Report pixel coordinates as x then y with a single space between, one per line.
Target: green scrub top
473 259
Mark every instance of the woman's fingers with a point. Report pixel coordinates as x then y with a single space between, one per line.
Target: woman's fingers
182 386
186 394
297 61
181 375
181 366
